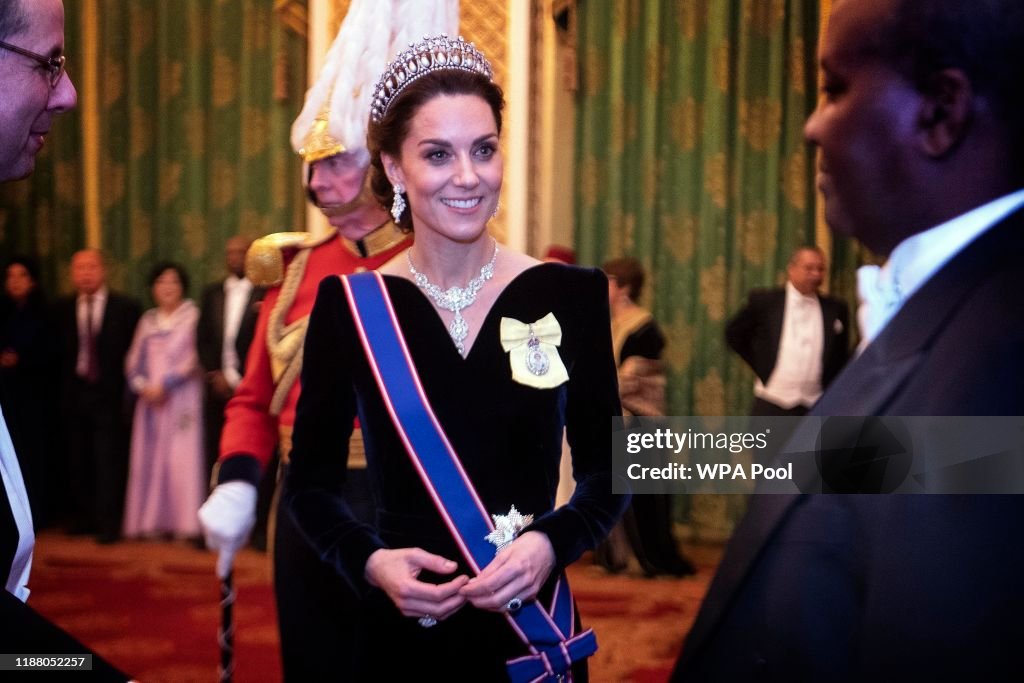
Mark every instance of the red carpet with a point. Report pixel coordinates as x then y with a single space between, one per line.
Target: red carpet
152 609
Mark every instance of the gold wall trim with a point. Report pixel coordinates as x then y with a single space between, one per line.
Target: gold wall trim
89 103
822 236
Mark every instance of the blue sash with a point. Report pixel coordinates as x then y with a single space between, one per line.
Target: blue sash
548 631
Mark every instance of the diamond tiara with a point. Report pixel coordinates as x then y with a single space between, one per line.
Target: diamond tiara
430 54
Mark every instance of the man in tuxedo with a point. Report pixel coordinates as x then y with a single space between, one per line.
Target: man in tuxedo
794 338
226 327
922 160
35 89
96 326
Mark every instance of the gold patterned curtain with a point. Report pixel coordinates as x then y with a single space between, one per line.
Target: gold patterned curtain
191 114
690 156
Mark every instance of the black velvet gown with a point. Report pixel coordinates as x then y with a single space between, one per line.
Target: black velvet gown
508 436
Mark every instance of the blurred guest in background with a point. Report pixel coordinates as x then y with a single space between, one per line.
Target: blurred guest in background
227 322
166 476
27 381
95 326
637 343
557 253
227 325
794 338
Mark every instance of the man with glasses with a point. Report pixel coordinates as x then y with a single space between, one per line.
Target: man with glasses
32 80
34 89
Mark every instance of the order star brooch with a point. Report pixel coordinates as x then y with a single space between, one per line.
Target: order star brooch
507 527
532 351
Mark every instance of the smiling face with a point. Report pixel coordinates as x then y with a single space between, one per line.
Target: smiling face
450 166
29 103
865 127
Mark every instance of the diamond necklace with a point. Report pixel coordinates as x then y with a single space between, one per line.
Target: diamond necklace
455 299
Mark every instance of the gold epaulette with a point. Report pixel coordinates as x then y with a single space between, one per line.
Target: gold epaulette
264 262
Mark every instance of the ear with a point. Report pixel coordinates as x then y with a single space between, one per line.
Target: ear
392 169
946 113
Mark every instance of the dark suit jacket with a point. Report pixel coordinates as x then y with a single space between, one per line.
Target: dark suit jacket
22 629
756 330
120 317
862 587
210 331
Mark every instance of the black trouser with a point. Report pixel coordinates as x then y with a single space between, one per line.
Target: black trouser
763 408
780 431
98 439
318 614
213 424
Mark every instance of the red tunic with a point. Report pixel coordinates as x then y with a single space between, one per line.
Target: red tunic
249 427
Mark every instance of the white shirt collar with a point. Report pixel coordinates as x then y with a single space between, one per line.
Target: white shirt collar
99 296
232 281
884 290
917 258
794 294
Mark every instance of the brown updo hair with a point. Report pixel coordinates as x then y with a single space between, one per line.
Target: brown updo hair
390 132
628 272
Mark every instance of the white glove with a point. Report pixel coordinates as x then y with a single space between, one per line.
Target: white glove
227 518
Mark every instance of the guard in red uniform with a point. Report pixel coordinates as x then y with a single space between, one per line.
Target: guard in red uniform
317 612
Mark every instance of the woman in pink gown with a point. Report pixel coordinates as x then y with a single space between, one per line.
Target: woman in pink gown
165 481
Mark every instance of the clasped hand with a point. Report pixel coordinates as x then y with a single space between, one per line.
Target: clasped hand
518 571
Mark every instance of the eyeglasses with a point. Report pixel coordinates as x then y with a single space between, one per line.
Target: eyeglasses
55 65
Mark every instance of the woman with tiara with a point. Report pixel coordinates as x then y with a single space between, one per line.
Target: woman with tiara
463 361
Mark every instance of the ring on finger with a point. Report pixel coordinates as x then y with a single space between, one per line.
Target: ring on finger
427 621
514 604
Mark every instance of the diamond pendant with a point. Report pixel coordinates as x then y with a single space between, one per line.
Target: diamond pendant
458 330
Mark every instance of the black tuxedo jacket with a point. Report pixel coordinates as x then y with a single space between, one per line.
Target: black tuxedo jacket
22 629
756 331
120 316
875 587
210 330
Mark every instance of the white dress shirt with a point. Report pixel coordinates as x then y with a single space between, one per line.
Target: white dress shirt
99 306
17 581
796 378
236 297
883 290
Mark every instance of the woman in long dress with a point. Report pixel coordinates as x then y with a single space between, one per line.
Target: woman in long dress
508 350
165 480
637 342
